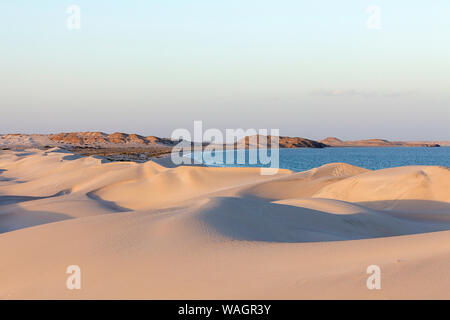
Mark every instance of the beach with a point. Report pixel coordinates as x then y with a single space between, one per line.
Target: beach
149 231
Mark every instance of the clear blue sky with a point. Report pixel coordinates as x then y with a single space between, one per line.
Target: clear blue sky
310 68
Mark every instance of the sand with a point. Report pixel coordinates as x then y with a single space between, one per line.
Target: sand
149 231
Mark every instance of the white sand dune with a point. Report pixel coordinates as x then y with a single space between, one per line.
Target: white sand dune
148 231
413 182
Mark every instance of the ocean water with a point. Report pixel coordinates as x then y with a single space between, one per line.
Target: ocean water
302 159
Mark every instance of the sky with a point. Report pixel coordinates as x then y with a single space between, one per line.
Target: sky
309 68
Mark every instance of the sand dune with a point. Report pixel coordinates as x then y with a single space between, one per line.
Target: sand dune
413 182
303 184
149 231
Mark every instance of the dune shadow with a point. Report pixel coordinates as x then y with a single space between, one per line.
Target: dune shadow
24 154
7 200
12 199
19 218
72 157
110 205
4 179
413 209
251 219
23 219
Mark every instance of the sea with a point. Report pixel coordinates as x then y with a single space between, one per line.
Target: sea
302 159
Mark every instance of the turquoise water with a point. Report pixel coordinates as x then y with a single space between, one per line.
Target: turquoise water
370 158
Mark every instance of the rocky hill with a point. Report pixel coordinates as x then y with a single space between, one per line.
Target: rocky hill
125 140
335 142
284 142
104 139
